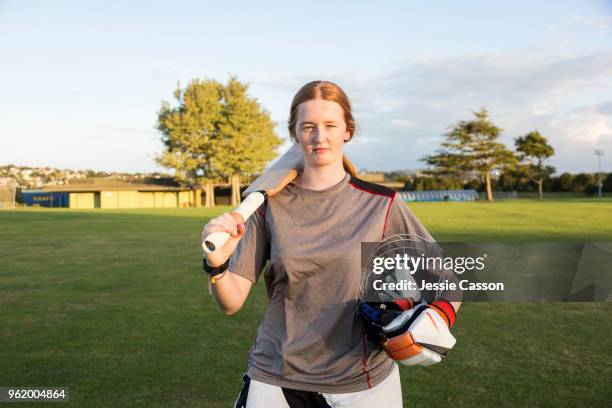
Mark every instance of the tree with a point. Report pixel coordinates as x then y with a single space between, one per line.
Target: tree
471 148
607 183
552 184
566 180
591 189
581 181
215 131
511 181
533 149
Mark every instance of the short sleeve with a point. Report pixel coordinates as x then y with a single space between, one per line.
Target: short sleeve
253 250
401 220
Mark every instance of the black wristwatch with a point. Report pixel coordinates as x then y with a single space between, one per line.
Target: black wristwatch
214 271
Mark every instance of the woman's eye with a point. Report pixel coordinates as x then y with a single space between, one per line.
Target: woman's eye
331 126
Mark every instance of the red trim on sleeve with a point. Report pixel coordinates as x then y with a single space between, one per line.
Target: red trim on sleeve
387 216
383 190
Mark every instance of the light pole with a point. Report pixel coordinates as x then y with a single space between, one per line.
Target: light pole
599 153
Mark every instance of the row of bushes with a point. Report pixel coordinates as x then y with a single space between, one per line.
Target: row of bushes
566 182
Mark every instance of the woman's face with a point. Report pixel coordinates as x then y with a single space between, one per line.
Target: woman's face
321 131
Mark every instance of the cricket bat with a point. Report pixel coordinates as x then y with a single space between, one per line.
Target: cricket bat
270 182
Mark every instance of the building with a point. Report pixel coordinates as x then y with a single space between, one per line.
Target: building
114 193
41 198
88 193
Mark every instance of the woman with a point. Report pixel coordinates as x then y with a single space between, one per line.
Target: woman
311 348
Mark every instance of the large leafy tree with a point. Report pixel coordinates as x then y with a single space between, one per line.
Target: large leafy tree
215 131
471 149
533 150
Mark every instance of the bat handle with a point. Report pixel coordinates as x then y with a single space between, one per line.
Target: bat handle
214 240
217 239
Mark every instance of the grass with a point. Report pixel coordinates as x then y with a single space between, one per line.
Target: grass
112 304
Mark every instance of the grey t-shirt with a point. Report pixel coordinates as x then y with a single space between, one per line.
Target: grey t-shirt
311 337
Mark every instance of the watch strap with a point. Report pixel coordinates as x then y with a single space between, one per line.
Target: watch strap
216 270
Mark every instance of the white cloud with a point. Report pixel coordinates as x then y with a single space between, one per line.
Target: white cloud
402 113
574 134
407 110
584 127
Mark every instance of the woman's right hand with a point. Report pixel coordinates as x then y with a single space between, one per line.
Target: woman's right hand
226 222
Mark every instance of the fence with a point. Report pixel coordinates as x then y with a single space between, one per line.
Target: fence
439 195
501 195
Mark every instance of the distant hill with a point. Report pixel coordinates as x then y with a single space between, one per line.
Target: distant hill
37 177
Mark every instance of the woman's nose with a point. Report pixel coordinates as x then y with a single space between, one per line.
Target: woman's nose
319 132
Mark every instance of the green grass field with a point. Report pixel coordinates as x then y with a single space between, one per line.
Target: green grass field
113 304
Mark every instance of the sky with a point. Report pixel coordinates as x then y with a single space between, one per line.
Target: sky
81 82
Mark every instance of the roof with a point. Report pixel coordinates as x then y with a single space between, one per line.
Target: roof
106 184
372 177
379 178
